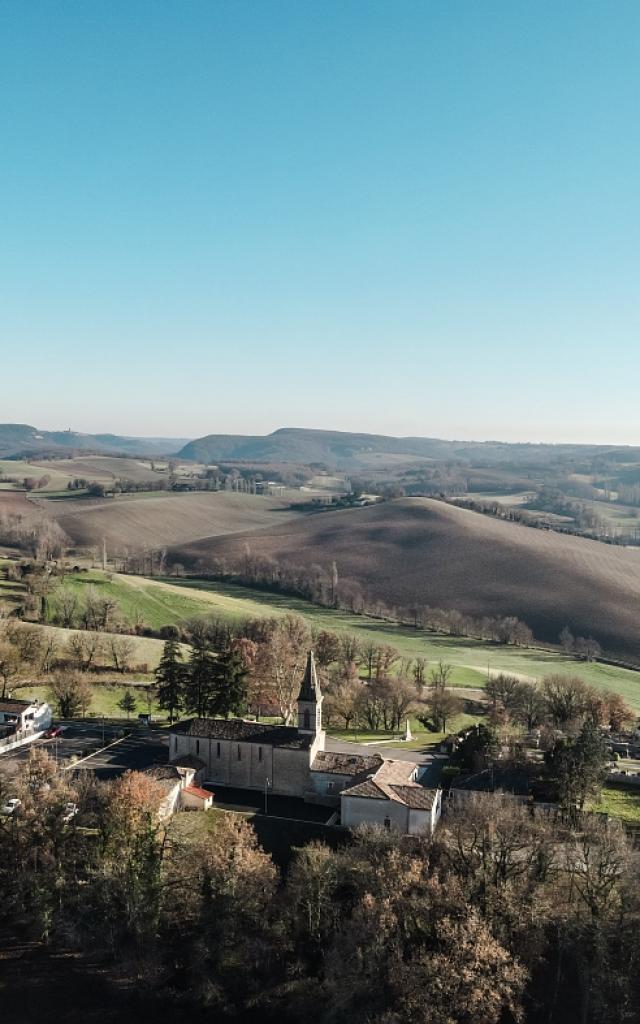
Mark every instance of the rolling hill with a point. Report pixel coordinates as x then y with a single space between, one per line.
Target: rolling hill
136 522
424 551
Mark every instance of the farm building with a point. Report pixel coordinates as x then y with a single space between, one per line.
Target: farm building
292 761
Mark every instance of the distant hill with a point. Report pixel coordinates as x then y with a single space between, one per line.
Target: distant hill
18 440
418 550
351 451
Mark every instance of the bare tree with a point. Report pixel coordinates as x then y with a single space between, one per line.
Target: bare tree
121 649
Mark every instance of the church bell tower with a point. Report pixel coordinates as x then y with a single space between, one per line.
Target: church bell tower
310 701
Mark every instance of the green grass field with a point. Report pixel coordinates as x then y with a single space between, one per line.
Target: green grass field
161 602
422 737
105 699
619 802
472 659
136 596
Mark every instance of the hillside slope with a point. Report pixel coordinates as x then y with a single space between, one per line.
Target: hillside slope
136 522
422 550
351 451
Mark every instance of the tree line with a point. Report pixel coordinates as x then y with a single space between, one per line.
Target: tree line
322 585
500 917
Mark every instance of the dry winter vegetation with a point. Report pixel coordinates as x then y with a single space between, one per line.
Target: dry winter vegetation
499 916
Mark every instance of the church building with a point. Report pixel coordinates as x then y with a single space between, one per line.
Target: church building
251 755
292 761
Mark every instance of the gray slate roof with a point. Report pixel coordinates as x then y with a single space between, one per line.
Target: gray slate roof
240 731
310 689
345 764
391 780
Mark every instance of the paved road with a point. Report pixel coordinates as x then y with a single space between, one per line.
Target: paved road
135 752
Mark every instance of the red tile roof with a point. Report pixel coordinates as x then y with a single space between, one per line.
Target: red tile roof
202 794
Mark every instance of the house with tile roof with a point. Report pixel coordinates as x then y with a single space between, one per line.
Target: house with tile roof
391 795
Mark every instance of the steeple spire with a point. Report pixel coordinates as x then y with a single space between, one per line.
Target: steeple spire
310 689
310 701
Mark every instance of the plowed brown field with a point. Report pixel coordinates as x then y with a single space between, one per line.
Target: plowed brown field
151 522
422 550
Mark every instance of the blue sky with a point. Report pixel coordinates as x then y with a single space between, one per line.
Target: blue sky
401 217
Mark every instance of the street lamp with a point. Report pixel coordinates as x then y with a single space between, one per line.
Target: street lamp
266 791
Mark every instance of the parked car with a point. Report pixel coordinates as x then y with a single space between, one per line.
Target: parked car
70 811
55 730
10 806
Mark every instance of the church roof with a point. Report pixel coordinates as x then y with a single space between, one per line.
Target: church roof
345 764
241 731
310 689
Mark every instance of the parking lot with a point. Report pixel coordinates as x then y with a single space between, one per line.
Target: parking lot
90 747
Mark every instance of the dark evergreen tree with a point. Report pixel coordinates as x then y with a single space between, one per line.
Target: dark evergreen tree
201 679
231 684
578 766
171 679
127 703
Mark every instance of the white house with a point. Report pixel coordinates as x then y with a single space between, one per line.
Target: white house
23 716
391 796
292 761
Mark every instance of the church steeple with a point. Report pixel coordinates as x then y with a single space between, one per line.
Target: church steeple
310 700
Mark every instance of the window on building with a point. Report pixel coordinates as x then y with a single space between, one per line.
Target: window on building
387 823
218 749
331 787
239 753
306 719
259 753
197 746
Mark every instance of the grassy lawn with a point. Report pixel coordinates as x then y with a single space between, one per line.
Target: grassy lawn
136 596
191 826
105 699
421 737
619 802
174 601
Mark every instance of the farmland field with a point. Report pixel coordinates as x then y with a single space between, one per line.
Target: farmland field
149 521
105 699
424 551
102 468
137 598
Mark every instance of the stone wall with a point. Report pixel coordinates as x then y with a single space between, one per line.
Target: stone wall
248 765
